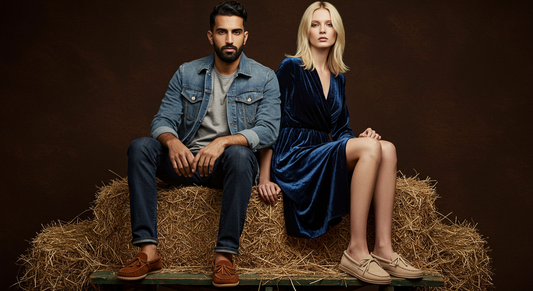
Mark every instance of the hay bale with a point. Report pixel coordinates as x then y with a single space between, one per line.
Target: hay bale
188 227
431 241
61 257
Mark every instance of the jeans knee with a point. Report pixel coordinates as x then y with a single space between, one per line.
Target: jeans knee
141 147
238 152
239 157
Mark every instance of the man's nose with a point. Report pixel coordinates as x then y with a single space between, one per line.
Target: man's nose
229 38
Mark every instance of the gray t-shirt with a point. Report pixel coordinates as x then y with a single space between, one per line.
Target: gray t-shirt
215 123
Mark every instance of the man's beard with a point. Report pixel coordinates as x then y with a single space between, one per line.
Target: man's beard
225 57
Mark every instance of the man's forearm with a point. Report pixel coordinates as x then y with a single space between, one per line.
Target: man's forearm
165 138
229 140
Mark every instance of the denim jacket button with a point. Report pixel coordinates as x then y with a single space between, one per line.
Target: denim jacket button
249 99
193 98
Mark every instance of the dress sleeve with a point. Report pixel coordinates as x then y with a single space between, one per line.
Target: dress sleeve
286 77
341 128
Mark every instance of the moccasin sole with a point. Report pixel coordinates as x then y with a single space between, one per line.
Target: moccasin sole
362 278
225 285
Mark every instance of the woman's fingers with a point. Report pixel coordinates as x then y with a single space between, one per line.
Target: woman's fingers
269 192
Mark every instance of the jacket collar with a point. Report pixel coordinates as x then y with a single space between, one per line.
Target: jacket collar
244 65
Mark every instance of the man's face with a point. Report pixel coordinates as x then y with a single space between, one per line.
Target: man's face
228 37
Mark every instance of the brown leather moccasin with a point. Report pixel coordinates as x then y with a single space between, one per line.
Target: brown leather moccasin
139 267
224 274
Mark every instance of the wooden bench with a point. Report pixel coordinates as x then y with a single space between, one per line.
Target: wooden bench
184 281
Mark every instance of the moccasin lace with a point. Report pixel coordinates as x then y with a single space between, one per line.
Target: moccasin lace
365 263
398 260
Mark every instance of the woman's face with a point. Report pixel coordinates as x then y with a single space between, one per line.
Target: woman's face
322 34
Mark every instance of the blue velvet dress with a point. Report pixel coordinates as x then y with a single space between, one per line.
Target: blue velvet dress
308 165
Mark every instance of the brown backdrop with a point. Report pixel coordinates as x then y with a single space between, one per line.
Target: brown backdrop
449 82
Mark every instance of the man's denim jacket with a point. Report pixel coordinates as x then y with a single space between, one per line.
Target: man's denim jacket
253 103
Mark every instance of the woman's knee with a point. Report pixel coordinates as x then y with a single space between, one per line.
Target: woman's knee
371 148
363 148
388 151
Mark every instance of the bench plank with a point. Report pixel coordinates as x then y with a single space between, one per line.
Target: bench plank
110 278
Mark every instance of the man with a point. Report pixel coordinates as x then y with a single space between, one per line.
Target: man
217 113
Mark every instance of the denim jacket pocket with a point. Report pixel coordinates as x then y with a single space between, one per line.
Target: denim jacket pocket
192 101
247 104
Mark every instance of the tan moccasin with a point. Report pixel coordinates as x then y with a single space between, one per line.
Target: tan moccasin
399 267
367 269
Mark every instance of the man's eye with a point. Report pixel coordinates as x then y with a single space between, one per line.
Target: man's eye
237 32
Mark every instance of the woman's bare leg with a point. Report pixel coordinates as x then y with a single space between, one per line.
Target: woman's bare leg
363 155
384 200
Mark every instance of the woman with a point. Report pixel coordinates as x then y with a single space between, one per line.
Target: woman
326 178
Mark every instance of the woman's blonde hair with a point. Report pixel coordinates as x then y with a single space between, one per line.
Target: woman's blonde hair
335 63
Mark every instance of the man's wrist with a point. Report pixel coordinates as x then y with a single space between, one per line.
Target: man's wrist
229 140
223 141
166 138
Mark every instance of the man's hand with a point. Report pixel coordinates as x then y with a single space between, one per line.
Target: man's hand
180 156
206 157
204 161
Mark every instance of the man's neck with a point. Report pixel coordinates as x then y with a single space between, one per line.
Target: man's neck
226 69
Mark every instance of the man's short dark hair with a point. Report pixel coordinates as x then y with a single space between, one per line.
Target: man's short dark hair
229 8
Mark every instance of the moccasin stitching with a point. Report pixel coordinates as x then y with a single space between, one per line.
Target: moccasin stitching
224 270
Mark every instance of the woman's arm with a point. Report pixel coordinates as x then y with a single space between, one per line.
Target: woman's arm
341 128
268 190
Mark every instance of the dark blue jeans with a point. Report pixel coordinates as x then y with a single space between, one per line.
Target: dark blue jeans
234 172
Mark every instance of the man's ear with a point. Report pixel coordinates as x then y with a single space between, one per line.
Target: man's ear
210 36
245 37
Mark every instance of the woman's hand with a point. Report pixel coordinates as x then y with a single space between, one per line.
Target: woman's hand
369 132
269 191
